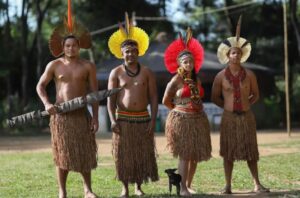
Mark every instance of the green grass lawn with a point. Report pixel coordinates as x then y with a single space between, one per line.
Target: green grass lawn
30 175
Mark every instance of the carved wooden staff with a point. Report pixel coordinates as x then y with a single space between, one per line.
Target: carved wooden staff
67 106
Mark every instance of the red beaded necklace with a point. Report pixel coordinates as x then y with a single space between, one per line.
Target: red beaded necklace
235 82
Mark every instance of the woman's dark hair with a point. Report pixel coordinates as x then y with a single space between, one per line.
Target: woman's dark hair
194 75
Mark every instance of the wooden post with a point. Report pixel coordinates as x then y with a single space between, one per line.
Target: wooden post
286 70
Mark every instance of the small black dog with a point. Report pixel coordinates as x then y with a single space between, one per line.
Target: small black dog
174 179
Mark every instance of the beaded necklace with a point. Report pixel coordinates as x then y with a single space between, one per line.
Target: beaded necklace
235 82
130 73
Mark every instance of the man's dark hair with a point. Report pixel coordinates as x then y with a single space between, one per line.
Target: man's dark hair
129 42
69 37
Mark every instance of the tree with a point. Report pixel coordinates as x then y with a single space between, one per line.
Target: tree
295 21
40 18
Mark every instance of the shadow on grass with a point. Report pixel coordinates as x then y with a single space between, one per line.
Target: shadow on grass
281 194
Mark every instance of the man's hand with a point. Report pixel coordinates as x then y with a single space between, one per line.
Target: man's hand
151 127
115 127
51 109
94 125
251 99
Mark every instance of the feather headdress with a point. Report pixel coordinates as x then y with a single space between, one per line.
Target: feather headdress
129 32
237 42
70 27
181 46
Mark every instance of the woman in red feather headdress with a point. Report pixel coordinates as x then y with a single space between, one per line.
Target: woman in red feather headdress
187 126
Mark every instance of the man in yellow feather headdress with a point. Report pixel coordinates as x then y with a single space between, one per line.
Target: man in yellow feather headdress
73 133
132 126
235 89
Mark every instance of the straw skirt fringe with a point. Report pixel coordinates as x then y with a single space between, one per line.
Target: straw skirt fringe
238 137
188 135
73 144
134 153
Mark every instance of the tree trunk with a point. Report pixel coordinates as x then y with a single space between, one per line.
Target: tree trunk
38 40
8 45
162 5
205 24
24 60
295 22
229 23
40 19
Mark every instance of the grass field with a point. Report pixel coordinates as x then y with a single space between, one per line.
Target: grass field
32 175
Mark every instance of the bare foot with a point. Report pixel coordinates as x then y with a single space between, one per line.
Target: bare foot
226 190
62 194
191 191
124 193
139 192
90 195
185 193
261 189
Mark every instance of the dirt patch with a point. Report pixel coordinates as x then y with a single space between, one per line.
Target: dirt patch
43 143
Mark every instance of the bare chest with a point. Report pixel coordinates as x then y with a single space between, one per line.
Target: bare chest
137 82
71 74
244 86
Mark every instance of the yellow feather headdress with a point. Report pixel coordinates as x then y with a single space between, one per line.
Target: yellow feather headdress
68 28
235 41
129 32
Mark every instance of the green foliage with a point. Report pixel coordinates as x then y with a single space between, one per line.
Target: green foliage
93 14
14 109
296 87
262 25
295 95
273 108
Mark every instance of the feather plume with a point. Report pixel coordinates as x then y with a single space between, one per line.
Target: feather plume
127 23
188 36
70 22
181 37
122 29
238 28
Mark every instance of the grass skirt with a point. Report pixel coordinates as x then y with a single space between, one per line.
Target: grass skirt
73 144
134 153
238 137
188 135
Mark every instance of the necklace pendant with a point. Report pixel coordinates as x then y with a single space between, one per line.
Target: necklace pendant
135 83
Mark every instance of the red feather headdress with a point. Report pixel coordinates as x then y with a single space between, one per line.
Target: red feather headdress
188 44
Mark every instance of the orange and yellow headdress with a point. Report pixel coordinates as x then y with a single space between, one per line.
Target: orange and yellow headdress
129 32
70 27
237 42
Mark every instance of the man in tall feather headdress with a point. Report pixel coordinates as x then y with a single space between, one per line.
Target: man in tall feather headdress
235 89
132 126
73 133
